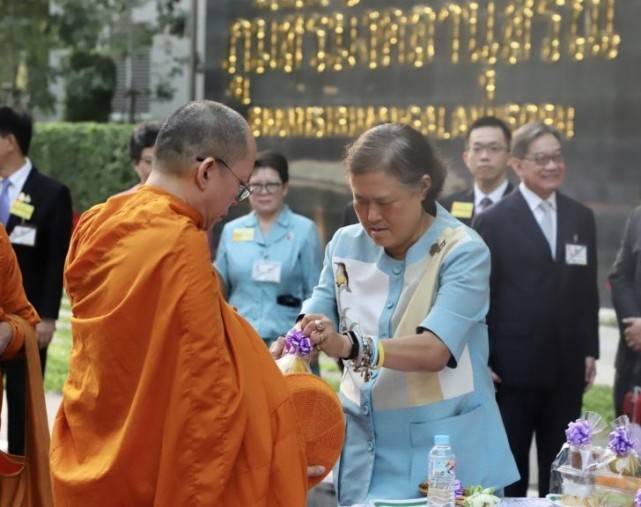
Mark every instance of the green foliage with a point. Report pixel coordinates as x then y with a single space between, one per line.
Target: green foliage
59 350
29 29
90 84
599 400
91 159
26 34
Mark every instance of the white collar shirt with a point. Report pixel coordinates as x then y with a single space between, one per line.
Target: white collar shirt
495 195
534 203
18 180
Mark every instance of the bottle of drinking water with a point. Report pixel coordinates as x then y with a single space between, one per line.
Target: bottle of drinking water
441 466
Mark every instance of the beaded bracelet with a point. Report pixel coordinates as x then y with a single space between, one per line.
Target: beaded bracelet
367 360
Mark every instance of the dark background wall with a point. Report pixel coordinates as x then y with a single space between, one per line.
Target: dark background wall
602 155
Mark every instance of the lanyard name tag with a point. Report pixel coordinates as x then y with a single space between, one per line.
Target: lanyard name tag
242 234
23 235
576 255
22 210
266 271
462 209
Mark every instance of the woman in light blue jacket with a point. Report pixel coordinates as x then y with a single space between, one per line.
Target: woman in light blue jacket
402 299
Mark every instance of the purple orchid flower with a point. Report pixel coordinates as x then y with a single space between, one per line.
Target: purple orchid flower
297 343
579 433
619 441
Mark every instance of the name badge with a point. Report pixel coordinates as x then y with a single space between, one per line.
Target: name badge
22 209
576 255
23 235
462 209
266 271
242 234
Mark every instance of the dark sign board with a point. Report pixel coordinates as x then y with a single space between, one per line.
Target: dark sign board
310 75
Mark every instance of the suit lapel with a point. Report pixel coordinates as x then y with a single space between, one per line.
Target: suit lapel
523 215
469 197
508 189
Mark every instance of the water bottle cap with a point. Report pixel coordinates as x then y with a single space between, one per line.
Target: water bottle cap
441 440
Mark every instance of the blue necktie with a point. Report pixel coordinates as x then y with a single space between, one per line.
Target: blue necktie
5 205
485 203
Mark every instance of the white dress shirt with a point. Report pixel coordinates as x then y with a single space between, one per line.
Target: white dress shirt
534 202
18 179
495 195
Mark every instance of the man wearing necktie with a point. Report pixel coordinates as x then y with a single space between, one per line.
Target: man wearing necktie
487 149
544 303
36 212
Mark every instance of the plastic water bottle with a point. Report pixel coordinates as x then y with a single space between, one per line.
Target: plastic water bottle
441 465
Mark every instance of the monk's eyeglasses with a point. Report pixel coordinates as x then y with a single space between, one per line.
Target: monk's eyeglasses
244 192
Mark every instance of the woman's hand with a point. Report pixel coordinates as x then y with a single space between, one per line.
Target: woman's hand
323 335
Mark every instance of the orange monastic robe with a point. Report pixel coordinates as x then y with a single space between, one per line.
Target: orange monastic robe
172 399
29 486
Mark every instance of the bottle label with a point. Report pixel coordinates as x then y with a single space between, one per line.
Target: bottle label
443 468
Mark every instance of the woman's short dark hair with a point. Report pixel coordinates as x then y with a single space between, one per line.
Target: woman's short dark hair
275 161
402 152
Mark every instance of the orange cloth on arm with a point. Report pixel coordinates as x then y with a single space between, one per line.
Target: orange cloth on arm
15 309
172 399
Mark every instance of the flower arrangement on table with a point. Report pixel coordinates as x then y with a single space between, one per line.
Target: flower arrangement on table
589 475
618 480
473 496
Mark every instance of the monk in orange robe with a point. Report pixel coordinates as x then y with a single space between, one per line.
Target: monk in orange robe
172 399
31 486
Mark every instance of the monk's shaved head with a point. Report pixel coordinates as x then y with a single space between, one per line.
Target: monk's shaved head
202 128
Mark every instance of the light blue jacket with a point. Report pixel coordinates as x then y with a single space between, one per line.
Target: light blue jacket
294 243
385 452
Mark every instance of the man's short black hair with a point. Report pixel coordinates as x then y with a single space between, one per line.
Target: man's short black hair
144 136
490 121
19 124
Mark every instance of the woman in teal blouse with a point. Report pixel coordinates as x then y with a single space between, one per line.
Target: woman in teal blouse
270 259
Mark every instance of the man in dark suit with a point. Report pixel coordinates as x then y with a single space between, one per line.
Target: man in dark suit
544 303
487 150
36 212
625 279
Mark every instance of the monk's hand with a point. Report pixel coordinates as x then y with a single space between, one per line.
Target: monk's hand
277 348
324 336
6 333
44 332
315 471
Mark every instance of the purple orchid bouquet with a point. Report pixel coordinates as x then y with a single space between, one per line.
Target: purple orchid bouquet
579 435
623 445
637 498
297 353
574 466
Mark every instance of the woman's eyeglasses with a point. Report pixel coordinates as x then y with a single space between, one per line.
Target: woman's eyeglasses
267 188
